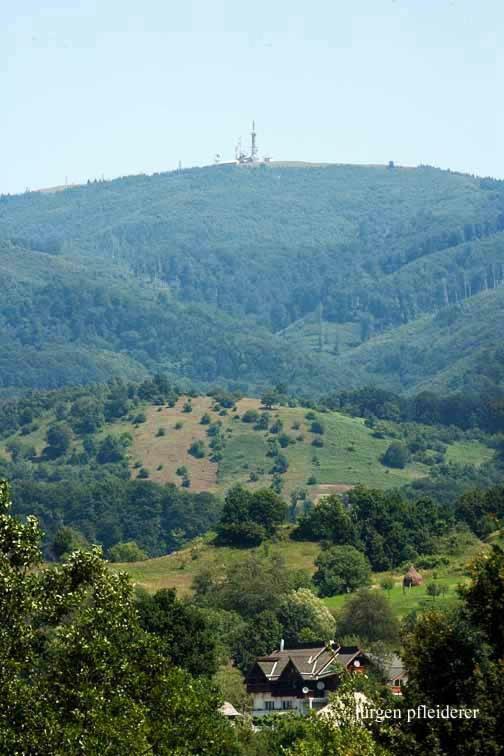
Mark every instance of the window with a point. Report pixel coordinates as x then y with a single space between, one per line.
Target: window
286 704
269 705
397 683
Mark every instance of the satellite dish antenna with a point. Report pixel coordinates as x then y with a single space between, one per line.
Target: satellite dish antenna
306 690
356 663
320 685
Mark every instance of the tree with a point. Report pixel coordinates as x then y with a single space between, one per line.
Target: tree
231 684
87 415
329 521
76 666
250 517
396 455
305 617
111 450
260 637
58 440
252 585
67 540
369 616
268 399
127 552
341 569
187 637
455 659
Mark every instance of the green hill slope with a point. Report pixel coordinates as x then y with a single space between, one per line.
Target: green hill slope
205 273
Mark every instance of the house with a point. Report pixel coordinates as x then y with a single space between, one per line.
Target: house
394 671
300 678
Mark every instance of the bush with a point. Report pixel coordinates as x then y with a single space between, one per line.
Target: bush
127 552
317 427
397 455
143 473
140 418
250 416
318 442
205 419
277 426
161 432
197 449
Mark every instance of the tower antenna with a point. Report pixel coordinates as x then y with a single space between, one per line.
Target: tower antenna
253 144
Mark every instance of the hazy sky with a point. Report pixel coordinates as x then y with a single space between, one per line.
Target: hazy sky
116 87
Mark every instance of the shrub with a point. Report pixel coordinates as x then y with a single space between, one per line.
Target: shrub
197 449
250 416
127 552
397 455
317 427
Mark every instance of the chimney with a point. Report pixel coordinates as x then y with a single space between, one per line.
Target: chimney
282 644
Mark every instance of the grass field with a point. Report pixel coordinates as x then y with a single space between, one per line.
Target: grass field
350 453
405 601
178 570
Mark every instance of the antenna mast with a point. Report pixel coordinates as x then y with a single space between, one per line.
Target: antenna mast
253 144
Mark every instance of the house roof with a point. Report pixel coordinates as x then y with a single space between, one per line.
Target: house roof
392 666
311 662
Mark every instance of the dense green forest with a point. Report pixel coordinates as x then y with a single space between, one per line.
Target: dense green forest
207 273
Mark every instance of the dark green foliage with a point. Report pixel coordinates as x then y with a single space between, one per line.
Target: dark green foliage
258 638
111 450
334 244
483 511
186 636
284 440
317 426
114 510
329 521
65 541
127 552
250 416
368 616
58 440
78 673
456 660
396 455
386 527
197 449
250 517
341 569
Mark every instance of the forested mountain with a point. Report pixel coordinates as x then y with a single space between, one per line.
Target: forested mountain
207 273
